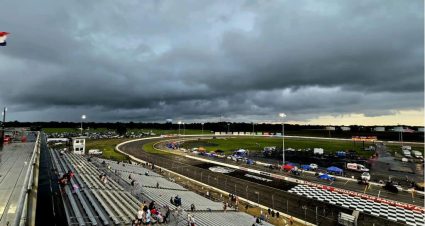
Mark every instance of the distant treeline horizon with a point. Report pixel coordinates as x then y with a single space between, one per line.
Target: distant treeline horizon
290 129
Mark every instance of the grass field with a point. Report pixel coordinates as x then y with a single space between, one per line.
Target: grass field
148 147
108 148
258 143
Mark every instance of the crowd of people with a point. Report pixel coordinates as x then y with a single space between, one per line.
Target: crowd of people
150 214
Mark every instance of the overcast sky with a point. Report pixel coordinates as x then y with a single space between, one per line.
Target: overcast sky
323 62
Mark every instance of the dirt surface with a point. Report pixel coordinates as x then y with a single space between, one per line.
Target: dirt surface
301 207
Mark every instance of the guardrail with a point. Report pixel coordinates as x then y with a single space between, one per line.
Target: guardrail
20 217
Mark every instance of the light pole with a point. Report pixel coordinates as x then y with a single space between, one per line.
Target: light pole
2 127
4 117
253 131
82 118
184 129
202 124
283 115
179 122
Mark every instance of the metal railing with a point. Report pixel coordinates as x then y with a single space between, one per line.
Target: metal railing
21 216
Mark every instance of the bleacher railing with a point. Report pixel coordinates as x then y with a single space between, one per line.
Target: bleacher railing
21 217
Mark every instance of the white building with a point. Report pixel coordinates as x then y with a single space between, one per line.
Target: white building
380 129
330 128
79 145
398 129
345 128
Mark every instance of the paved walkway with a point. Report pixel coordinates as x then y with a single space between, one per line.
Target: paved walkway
14 160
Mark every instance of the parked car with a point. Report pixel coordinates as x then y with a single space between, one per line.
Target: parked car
365 176
314 166
392 187
407 153
417 154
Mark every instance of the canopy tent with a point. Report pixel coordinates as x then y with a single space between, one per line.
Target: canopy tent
241 152
306 167
249 161
334 169
287 167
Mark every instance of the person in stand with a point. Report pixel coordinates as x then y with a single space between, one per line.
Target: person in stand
277 214
140 215
192 207
142 206
157 184
167 214
192 220
269 211
105 180
63 182
151 205
172 200
148 217
189 219
273 213
160 218
133 182
129 177
258 220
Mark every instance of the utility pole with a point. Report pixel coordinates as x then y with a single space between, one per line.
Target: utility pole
2 126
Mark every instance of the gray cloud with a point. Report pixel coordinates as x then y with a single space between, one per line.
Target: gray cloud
246 60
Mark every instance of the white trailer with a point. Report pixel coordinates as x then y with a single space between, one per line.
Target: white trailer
318 151
357 167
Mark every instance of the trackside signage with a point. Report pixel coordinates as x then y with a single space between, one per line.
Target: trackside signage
368 197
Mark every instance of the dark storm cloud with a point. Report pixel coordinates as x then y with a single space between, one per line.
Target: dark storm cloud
246 60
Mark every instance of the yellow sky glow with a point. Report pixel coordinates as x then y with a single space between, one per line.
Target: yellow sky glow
411 117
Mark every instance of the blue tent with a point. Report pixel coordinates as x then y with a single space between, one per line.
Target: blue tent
326 177
249 161
334 169
305 167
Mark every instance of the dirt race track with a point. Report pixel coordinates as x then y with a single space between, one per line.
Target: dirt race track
307 209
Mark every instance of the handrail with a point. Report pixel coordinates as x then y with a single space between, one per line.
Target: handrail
27 183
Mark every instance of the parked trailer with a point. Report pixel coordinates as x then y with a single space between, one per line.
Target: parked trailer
318 151
356 167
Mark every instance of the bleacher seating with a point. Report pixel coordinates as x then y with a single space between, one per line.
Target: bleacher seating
163 197
208 212
89 201
93 203
138 173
